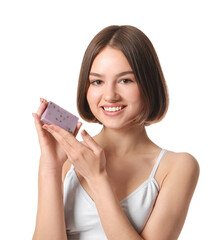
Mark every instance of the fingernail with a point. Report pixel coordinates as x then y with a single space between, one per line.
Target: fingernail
84 133
42 100
45 127
33 115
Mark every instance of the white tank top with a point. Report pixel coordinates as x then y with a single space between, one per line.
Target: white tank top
81 216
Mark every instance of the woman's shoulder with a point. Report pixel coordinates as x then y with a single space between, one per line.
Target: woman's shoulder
181 160
182 165
176 165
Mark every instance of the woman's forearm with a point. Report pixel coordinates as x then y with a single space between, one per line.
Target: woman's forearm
114 221
50 222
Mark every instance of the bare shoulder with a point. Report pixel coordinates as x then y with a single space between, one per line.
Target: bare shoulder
179 172
184 162
182 166
178 165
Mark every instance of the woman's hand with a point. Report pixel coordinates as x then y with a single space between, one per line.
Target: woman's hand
52 154
88 158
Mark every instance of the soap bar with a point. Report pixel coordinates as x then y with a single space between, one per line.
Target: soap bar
56 115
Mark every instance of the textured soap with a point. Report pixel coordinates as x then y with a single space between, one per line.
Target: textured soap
56 115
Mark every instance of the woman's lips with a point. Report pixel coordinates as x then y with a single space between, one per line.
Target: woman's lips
113 111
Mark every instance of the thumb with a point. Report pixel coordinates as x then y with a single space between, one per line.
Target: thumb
38 125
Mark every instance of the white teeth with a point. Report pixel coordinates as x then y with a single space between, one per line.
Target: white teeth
112 109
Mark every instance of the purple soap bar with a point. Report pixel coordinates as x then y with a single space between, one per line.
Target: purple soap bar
56 115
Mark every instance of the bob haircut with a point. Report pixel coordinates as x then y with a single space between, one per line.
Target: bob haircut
145 64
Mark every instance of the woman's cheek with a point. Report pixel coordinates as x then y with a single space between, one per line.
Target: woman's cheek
93 97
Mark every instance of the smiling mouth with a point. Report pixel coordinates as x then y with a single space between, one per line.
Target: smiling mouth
113 109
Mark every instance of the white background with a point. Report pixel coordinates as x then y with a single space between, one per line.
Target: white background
41 48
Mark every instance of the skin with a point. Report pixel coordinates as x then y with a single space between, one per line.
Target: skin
113 163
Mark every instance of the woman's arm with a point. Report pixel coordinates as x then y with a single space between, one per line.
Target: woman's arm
113 219
89 160
50 223
172 203
169 213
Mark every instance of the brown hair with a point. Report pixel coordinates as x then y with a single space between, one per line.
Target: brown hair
144 62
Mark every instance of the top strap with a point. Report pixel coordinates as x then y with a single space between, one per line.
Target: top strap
157 163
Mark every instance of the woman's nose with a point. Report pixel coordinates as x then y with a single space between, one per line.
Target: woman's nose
111 94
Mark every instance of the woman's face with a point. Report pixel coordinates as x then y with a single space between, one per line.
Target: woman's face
113 94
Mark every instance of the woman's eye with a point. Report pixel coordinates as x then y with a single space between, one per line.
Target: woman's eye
96 82
126 80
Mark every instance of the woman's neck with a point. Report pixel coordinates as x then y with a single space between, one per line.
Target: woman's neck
120 142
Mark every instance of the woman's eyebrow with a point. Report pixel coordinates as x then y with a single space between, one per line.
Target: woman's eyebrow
118 75
124 73
95 74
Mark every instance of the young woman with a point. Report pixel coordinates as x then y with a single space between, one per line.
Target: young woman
117 184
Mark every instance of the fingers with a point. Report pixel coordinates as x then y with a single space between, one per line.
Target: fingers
62 136
62 139
91 143
38 125
58 133
42 106
43 100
